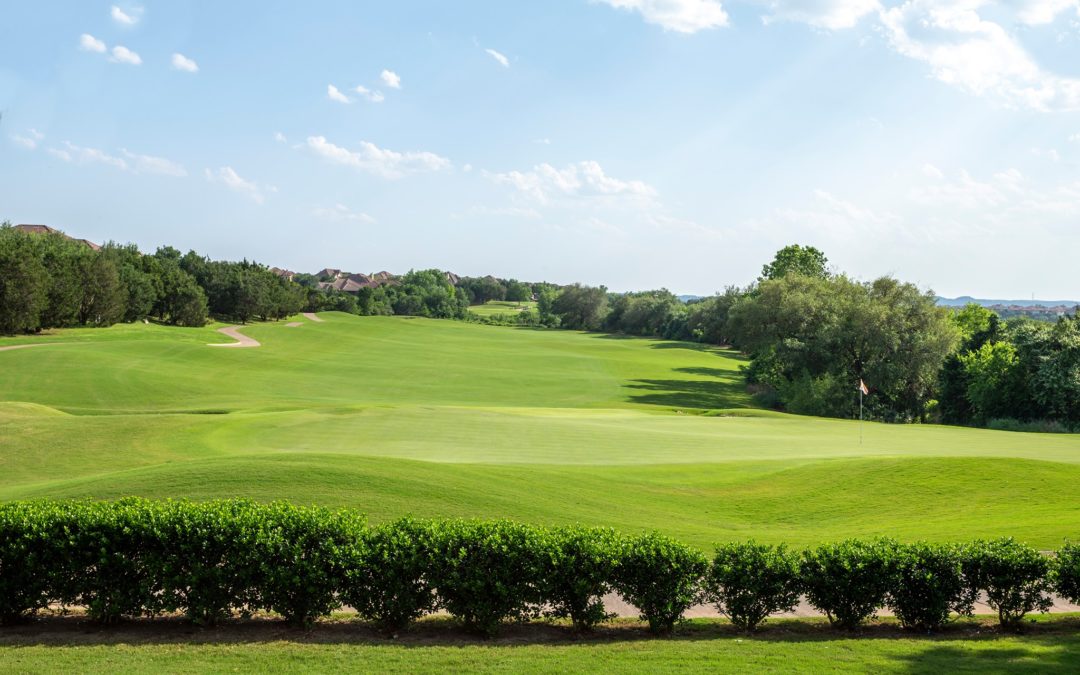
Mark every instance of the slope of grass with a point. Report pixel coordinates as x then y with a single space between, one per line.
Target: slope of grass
436 418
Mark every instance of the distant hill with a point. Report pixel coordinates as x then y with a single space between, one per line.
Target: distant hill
967 299
688 298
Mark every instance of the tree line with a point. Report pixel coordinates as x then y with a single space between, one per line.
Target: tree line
813 335
213 560
51 281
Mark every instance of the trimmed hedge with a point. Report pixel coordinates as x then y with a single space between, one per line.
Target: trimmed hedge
217 559
748 582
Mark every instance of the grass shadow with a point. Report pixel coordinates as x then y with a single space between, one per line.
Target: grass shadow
724 389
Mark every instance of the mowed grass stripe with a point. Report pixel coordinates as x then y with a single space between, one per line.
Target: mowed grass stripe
943 499
438 418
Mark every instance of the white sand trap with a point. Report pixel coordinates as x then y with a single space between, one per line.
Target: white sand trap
311 316
241 339
40 344
294 324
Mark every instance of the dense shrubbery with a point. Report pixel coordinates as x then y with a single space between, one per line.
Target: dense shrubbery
661 577
848 581
1014 576
214 560
748 582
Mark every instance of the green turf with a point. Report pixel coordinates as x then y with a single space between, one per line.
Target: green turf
436 418
704 646
502 307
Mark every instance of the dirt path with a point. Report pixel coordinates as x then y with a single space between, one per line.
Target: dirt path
311 316
8 348
614 603
241 339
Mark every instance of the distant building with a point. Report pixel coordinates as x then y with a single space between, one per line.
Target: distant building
45 229
287 275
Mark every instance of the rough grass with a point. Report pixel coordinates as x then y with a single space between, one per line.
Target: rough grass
438 418
1050 646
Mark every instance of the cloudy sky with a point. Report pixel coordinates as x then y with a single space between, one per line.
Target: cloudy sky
635 143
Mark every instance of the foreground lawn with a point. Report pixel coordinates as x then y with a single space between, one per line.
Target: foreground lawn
1050 646
395 416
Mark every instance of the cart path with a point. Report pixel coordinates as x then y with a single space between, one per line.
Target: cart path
38 344
312 316
241 339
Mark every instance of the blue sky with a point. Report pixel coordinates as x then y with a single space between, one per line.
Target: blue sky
635 143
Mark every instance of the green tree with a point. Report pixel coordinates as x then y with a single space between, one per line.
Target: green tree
23 282
581 307
805 261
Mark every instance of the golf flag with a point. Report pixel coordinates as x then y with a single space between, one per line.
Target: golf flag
863 389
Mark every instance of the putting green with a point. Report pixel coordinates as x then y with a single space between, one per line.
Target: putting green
439 418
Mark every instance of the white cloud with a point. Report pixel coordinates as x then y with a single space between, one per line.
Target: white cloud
682 16
334 94
966 192
376 160
1042 12
280 137
230 179
931 171
127 18
130 161
341 213
583 179
89 43
29 142
121 54
373 96
181 62
391 79
503 61
1047 153
975 54
828 14
499 212
542 141
1074 138
156 165
82 155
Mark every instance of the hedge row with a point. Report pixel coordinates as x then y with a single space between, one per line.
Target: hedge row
215 559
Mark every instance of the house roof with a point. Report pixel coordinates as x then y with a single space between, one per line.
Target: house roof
45 229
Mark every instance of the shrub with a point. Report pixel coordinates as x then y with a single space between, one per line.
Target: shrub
387 581
579 565
1066 572
927 585
33 557
848 581
661 577
209 567
748 582
303 555
1014 576
487 572
112 548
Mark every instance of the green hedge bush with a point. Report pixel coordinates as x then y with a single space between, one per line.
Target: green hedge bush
928 584
848 581
388 581
578 566
748 582
487 572
1014 576
216 559
661 577
1066 573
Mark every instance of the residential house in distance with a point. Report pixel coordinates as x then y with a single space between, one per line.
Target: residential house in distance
287 275
45 229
